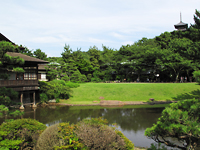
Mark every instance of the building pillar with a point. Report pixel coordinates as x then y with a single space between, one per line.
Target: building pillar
34 111
21 100
34 100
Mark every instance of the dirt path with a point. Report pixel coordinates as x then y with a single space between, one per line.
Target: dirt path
119 103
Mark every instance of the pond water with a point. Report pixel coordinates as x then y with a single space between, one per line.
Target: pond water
131 120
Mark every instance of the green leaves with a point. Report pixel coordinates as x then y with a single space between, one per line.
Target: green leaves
180 120
196 74
56 89
18 70
19 133
39 54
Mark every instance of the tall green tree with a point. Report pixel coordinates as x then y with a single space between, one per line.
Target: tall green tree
39 54
176 56
82 64
69 68
94 56
196 19
24 50
7 62
53 71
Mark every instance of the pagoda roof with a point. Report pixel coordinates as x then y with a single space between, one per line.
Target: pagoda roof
181 24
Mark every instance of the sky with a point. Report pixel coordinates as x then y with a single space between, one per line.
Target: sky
50 24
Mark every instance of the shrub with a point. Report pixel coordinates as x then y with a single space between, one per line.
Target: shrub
49 139
93 134
87 134
196 74
4 111
95 79
78 77
72 84
99 137
57 100
43 97
55 89
6 95
20 133
67 133
129 144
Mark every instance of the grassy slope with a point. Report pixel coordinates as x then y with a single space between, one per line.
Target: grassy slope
89 92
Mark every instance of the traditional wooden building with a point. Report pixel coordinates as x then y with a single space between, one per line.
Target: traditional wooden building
25 83
42 72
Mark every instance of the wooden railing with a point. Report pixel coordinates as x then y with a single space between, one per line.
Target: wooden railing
18 83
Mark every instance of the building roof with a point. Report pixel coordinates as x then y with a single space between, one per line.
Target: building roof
3 38
42 66
27 58
181 24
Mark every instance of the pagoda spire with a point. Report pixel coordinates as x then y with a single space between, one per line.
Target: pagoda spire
181 26
180 17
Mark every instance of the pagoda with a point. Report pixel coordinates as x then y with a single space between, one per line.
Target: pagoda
181 26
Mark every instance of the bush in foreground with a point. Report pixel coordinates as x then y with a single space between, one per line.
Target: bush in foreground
20 133
87 134
49 138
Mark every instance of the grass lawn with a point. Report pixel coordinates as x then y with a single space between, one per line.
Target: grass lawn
89 92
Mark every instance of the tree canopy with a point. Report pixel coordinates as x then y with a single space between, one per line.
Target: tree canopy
8 62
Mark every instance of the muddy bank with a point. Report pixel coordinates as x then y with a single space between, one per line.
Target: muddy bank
115 103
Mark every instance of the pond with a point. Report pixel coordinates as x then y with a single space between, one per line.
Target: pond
131 120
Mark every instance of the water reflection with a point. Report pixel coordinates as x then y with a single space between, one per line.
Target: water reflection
132 121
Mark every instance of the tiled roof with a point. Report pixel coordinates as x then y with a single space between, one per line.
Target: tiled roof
180 24
26 58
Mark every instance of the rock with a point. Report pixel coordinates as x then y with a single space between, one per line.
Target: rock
52 101
151 99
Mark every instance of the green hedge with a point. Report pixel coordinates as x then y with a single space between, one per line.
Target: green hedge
20 133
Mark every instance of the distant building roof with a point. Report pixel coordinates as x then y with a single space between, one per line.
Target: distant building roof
26 58
42 66
3 38
181 25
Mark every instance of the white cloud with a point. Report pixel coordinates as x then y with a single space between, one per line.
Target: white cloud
48 24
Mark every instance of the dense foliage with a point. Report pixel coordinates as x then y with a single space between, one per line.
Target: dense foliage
6 95
179 121
56 89
20 133
8 62
4 112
